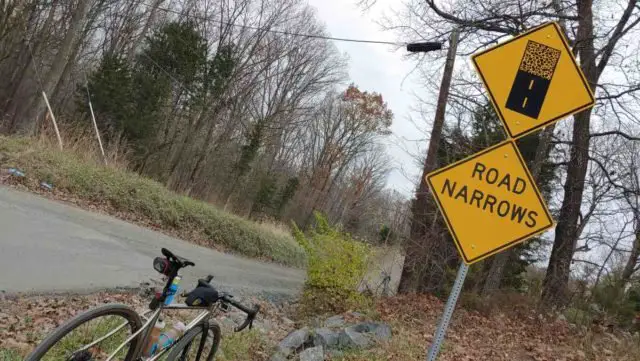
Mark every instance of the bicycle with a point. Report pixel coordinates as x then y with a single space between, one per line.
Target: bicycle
134 336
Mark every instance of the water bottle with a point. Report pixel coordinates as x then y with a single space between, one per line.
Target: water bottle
173 289
152 344
167 339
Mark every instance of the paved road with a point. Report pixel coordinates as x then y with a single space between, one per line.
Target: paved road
47 246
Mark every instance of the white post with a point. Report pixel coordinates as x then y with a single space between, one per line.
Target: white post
95 125
53 119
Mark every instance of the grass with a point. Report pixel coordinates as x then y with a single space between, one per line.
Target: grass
250 345
9 355
122 191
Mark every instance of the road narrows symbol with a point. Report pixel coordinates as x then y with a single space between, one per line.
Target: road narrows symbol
533 79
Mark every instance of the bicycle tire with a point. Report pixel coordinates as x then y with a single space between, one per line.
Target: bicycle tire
212 329
107 310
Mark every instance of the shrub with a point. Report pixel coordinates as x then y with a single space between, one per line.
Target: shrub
336 266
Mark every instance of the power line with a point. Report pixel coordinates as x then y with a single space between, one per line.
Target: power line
283 32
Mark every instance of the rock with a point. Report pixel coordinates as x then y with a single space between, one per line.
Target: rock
335 321
382 332
362 335
325 337
312 354
293 341
350 338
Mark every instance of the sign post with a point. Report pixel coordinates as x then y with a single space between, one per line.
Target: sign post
447 313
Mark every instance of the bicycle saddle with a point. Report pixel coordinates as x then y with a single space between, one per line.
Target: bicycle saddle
177 260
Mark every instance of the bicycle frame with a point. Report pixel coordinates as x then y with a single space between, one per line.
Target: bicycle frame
147 327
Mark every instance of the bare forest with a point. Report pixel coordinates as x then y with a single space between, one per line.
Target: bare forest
219 100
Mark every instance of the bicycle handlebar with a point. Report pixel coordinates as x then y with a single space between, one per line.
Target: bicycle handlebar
251 312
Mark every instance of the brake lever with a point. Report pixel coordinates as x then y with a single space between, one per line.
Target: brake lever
249 321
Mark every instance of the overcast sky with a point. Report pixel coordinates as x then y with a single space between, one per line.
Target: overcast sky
379 68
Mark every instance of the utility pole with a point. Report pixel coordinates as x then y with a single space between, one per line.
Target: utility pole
430 164
421 209
438 121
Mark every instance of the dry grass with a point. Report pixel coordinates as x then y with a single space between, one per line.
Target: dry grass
83 143
497 337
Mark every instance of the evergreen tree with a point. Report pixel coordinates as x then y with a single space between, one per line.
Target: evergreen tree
111 90
263 202
133 100
286 195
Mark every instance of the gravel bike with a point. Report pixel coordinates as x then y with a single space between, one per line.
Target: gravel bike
118 332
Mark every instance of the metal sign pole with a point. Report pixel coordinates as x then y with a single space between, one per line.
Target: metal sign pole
448 311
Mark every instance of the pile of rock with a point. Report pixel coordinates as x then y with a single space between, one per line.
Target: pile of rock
332 337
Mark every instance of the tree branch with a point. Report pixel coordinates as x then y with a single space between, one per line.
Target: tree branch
477 23
618 33
614 132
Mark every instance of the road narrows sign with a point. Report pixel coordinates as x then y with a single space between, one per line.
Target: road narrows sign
489 201
533 80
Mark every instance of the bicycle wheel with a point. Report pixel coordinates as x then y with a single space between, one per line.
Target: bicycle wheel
193 346
92 335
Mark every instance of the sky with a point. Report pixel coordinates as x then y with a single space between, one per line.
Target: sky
383 69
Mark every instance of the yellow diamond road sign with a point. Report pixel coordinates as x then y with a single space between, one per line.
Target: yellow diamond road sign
489 201
533 80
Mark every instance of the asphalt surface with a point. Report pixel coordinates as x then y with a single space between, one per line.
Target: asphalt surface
47 246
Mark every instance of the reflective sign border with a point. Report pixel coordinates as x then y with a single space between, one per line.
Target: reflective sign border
505 143
573 61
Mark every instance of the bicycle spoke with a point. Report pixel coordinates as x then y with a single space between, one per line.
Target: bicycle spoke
92 340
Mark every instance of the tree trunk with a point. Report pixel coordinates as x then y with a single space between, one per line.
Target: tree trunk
556 283
632 262
498 264
423 209
26 118
24 61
